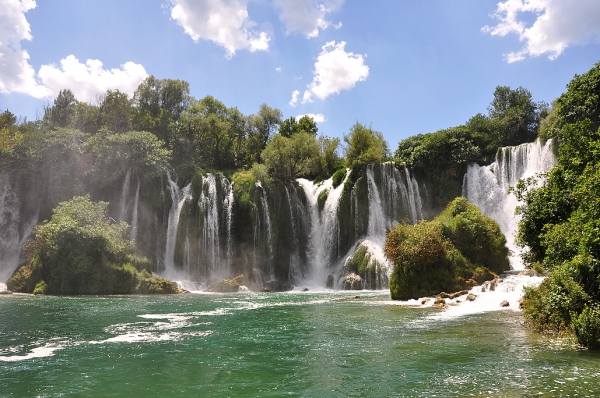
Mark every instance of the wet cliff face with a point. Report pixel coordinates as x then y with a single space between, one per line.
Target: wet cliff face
278 235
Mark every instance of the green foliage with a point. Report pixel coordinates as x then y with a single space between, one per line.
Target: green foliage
244 184
260 129
290 158
364 146
560 219
443 254
587 327
78 251
338 177
305 124
552 305
322 198
63 110
115 153
115 112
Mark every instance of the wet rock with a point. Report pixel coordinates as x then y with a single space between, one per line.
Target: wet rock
227 285
440 302
452 296
471 297
505 304
353 282
425 301
305 289
329 283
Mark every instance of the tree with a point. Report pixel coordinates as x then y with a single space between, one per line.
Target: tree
517 115
290 126
212 130
63 110
158 105
261 128
364 145
290 158
115 112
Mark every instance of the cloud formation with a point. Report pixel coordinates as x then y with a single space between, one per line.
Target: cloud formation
558 24
335 70
307 16
318 118
89 80
224 22
16 75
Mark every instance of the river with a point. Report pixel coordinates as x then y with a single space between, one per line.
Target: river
309 344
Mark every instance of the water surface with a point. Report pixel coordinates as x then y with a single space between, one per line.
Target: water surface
327 344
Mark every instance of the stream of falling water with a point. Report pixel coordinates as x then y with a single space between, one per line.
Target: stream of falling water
487 187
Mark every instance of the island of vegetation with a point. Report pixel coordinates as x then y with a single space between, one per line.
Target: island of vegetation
458 249
81 251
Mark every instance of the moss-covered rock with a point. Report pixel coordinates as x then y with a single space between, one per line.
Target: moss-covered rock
445 254
227 285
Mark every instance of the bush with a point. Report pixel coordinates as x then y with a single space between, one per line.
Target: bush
587 327
79 251
444 254
338 177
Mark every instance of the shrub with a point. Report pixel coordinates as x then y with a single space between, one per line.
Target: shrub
444 254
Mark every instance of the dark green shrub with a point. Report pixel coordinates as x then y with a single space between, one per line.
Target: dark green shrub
587 327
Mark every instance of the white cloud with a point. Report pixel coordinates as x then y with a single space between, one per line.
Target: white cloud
294 100
279 69
335 70
558 24
224 22
307 16
16 75
91 79
318 118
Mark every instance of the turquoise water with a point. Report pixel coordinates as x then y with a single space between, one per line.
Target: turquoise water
327 344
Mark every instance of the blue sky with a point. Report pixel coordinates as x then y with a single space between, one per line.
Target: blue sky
406 67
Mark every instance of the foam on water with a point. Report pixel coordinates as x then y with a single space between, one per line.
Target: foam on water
46 350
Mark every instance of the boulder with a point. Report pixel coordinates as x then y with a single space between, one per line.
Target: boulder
505 304
353 281
471 297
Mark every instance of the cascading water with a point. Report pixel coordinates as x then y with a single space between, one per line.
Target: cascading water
265 220
210 244
15 228
134 216
324 232
179 197
124 202
487 186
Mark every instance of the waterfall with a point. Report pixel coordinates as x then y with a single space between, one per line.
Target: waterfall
324 231
15 227
179 197
210 233
134 216
487 186
228 202
266 221
123 203
295 272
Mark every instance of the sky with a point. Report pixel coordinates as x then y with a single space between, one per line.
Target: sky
403 67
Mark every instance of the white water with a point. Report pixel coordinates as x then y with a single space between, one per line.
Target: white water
124 202
487 187
134 216
324 232
509 289
179 197
14 231
266 221
228 204
210 244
